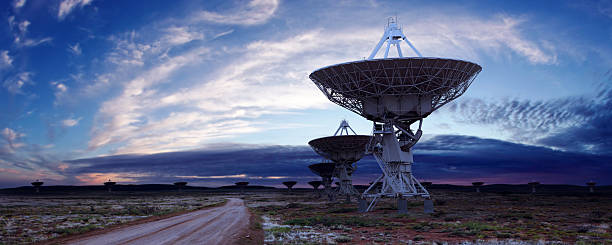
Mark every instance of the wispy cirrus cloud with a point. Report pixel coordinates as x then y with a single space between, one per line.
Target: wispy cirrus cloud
146 119
254 13
181 35
67 6
10 141
17 4
71 122
577 123
122 117
15 84
469 37
5 59
20 31
75 49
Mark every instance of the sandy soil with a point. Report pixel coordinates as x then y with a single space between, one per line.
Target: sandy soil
220 225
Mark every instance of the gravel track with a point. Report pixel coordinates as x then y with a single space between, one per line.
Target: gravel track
219 225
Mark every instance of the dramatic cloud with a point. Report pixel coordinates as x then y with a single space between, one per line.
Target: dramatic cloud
21 162
67 6
578 123
253 13
122 117
443 159
139 121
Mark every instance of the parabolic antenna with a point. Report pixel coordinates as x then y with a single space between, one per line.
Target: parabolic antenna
326 171
341 148
395 93
37 184
109 185
344 150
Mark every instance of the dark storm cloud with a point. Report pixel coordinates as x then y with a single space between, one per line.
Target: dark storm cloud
572 124
261 165
450 158
466 157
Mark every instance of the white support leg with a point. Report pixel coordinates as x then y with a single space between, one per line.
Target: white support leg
397 179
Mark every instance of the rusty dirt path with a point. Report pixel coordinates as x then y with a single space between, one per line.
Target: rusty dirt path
219 225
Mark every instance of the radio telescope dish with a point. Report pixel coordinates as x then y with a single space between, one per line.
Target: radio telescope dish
341 148
344 150
395 93
109 185
326 171
37 184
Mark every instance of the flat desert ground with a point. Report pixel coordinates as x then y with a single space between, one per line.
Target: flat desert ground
499 214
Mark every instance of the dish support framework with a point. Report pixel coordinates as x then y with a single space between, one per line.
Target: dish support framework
392 150
345 169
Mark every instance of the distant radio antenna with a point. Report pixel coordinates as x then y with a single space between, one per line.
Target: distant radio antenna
344 149
393 35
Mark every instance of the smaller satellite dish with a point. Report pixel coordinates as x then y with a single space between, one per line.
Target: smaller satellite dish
477 185
37 184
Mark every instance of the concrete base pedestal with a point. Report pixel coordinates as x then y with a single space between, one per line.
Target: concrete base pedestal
402 206
363 205
428 205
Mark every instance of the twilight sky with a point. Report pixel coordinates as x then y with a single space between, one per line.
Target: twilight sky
213 92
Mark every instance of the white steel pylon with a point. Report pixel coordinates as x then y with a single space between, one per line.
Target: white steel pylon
393 35
393 152
344 128
344 170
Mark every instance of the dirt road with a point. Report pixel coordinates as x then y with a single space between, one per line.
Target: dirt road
219 225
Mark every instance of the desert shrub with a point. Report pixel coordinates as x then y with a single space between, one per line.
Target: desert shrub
423 226
270 208
439 202
469 229
343 210
438 214
451 218
527 216
332 221
142 210
597 216
343 239
476 226
279 230
462 233
503 235
74 230
294 205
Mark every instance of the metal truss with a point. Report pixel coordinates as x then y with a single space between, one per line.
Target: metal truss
349 84
397 180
